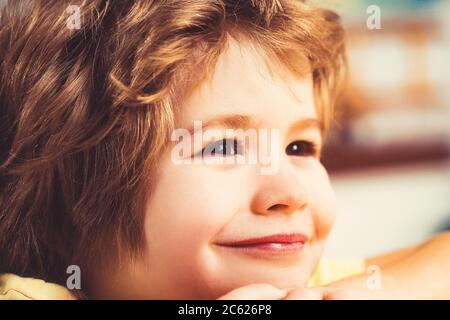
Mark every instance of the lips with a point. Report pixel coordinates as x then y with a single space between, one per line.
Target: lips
273 244
271 239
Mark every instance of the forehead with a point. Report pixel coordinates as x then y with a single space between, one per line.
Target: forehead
246 82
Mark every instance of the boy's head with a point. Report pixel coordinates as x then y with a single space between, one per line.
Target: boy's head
87 115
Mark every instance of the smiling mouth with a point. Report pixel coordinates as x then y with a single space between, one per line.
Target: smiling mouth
278 245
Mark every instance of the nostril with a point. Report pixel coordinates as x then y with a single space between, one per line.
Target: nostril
278 207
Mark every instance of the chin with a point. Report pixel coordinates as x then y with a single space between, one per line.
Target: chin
219 285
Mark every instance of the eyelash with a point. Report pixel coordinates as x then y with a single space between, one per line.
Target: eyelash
310 148
307 148
225 144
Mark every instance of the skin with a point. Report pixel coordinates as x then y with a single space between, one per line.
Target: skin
418 272
195 206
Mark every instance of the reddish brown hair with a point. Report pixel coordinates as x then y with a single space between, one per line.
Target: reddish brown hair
85 113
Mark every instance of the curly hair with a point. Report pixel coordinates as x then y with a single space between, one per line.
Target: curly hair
85 113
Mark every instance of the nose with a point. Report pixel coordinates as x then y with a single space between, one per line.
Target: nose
280 193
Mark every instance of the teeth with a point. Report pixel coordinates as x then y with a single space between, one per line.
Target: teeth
276 245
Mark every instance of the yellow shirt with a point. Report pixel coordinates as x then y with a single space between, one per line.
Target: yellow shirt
13 287
332 270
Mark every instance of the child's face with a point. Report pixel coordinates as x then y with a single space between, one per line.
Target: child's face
195 208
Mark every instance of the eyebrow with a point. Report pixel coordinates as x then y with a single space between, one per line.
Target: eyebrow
240 121
307 123
232 121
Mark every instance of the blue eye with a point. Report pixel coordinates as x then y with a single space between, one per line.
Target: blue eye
224 148
302 148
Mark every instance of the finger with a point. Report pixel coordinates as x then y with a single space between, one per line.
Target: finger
304 294
357 294
336 293
259 291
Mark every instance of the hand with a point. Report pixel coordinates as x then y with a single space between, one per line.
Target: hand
340 293
258 291
330 293
264 291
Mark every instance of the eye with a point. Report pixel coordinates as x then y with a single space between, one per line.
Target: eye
302 148
224 148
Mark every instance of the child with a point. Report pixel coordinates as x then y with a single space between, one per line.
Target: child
89 176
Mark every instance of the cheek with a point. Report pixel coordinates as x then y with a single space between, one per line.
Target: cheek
323 202
193 201
186 210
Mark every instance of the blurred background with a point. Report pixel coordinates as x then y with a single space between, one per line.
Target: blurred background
388 153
